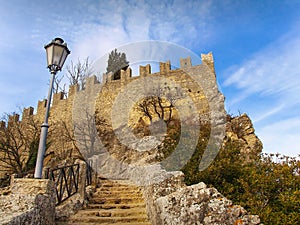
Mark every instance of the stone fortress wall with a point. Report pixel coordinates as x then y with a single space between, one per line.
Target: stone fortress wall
62 108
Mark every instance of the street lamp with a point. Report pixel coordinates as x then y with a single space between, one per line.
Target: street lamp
57 52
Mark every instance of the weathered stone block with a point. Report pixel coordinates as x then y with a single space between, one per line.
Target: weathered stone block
32 201
198 204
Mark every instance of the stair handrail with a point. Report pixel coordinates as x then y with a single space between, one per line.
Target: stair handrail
66 180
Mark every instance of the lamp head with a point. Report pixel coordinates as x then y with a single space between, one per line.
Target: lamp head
57 52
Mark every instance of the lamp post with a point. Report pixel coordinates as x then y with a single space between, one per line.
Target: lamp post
57 52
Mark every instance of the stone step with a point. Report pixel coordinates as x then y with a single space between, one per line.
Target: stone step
115 200
101 220
119 195
122 192
91 223
105 180
130 223
115 182
115 185
116 206
120 189
112 212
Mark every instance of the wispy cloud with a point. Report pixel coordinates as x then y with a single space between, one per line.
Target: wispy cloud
282 136
265 114
270 78
138 21
273 71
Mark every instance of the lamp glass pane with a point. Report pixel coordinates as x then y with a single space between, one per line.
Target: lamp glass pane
49 52
57 53
63 58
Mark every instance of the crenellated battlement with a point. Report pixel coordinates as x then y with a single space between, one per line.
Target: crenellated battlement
57 97
62 106
61 115
164 69
185 62
209 61
126 74
145 70
13 119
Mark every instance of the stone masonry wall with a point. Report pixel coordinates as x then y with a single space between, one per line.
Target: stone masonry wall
61 131
31 201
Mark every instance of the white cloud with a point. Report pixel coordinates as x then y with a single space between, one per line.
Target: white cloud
272 71
281 136
272 75
268 113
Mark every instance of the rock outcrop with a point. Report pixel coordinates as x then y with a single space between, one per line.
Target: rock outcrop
241 130
172 202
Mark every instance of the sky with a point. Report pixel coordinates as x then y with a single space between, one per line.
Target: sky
255 44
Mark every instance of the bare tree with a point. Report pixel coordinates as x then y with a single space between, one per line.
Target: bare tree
18 145
86 133
77 73
144 107
160 103
58 86
64 138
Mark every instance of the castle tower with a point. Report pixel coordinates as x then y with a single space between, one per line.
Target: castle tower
209 61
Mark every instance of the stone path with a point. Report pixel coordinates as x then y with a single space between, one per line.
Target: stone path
114 202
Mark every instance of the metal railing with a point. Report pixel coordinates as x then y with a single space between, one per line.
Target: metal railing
67 180
89 173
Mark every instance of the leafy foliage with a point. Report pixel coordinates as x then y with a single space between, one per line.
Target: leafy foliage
116 62
268 186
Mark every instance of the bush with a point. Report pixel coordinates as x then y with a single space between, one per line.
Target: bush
268 186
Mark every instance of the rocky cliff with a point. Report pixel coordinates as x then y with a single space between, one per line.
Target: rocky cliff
241 130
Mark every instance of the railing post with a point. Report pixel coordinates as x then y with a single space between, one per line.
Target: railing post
82 178
89 176
77 177
46 171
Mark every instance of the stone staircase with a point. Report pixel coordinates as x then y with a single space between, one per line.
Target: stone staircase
114 202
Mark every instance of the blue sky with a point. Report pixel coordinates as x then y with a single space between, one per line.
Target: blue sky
256 47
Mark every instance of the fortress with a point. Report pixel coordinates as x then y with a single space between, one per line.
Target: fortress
101 97
108 123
